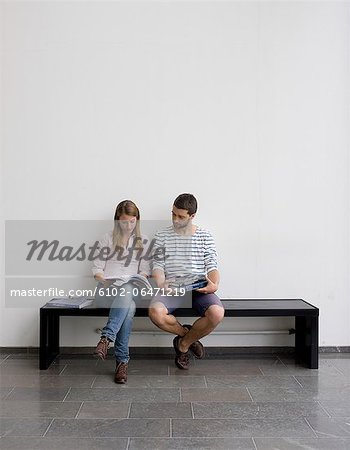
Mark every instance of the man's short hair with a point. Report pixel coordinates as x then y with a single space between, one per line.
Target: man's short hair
186 201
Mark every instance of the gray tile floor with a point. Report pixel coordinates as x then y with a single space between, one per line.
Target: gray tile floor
255 403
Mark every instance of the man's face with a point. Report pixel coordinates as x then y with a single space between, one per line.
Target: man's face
180 218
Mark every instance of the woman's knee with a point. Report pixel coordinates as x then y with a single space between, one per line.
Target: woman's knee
132 309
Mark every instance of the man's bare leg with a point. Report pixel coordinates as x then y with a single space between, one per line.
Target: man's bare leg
160 316
202 327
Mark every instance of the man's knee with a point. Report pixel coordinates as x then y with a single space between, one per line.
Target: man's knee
157 314
215 314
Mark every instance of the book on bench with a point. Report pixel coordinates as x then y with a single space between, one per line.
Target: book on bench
70 302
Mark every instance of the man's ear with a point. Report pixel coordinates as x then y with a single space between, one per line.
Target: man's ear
192 216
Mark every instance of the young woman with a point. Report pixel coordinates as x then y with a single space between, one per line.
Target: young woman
122 253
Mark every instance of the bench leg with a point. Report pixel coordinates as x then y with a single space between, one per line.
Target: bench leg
306 340
49 338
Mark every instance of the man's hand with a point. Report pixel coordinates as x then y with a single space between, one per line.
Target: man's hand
210 288
165 286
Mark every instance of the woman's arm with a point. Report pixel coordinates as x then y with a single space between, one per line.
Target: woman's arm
99 263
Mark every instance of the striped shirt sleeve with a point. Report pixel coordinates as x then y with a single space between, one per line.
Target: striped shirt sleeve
158 256
210 253
145 265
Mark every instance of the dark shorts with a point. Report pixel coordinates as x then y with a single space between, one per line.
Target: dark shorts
198 301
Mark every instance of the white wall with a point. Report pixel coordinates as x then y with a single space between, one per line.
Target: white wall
245 104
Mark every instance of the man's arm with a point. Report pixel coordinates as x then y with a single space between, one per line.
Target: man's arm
145 263
211 265
213 278
159 277
158 261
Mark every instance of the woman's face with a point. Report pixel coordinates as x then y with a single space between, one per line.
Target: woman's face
127 223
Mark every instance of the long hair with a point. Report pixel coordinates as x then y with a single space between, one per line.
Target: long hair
130 209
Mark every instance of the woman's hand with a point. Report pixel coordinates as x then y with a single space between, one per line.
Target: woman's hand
100 277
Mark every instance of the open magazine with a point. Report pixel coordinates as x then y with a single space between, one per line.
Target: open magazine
137 279
187 283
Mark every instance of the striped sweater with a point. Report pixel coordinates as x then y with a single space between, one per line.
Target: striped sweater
191 257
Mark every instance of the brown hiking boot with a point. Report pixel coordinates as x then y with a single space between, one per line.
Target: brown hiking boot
182 360
102 348
121 373
196 347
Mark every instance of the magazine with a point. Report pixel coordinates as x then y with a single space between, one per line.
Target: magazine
70 302
188 283
137 279
196 285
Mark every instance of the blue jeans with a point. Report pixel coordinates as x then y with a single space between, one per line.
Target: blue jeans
121 314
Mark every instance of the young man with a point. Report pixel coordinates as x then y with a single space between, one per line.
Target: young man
188 253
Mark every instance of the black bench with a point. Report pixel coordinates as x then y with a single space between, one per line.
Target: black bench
306 323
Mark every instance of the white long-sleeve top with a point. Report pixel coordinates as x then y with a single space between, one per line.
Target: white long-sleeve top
127 262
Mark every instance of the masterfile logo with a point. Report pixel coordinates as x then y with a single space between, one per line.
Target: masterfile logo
42 255
68 247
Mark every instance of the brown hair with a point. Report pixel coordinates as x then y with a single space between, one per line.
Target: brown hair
186 201
130 209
